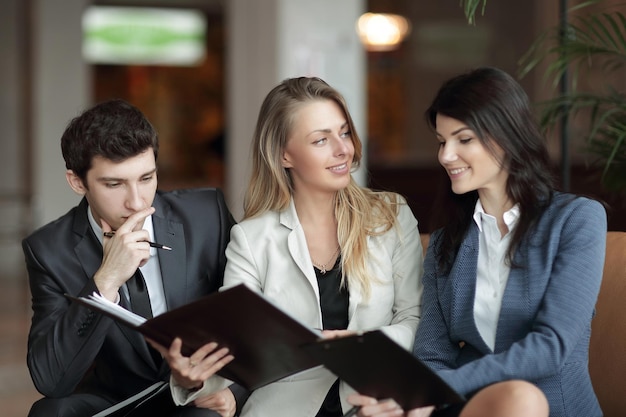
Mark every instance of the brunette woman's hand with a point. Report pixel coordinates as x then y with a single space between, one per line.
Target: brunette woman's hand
370 407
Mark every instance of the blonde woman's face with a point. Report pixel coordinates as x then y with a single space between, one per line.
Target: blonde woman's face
319 150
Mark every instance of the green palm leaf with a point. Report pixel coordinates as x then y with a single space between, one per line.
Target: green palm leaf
470 7
588 42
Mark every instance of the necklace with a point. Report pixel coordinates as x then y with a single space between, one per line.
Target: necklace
322 267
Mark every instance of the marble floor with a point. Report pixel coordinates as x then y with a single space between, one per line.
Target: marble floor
16 389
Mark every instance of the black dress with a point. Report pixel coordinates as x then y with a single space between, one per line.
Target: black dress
334 302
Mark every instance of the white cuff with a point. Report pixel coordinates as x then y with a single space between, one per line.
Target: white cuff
182 396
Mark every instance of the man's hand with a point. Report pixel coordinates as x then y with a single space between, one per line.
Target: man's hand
222 402
191 372
123 253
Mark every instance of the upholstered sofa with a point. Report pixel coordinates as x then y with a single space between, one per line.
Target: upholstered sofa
607 352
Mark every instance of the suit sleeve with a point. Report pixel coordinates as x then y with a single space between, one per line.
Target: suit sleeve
560 323
65 337
241 267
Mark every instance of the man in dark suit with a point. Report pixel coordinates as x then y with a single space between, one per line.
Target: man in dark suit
81 361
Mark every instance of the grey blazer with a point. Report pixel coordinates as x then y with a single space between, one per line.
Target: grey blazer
544 326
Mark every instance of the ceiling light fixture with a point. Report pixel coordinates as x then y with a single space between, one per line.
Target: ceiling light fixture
382 31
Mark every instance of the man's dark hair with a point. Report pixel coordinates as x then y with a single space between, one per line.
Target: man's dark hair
114 129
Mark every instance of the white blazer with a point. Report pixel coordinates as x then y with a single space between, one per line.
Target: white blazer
270 255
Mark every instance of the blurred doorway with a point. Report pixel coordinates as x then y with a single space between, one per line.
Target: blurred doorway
184 102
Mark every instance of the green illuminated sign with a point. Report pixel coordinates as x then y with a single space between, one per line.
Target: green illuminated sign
149 36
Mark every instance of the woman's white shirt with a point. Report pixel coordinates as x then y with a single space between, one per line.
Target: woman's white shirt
493 271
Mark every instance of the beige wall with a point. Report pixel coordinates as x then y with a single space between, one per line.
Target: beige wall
276 39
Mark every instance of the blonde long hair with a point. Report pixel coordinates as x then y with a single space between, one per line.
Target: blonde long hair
360 212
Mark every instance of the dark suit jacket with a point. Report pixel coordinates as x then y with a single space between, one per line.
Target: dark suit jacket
72 349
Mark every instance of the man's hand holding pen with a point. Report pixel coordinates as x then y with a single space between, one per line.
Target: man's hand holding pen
123 252
152 244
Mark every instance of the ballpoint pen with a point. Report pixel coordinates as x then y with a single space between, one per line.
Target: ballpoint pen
152 244
352 411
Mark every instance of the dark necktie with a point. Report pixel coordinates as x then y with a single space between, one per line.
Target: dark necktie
140 304
139 298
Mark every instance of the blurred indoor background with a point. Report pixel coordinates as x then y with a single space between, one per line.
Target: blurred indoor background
202 91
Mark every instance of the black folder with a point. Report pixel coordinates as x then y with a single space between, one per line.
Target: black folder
264 339
376 366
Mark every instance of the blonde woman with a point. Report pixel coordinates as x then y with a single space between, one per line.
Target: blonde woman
334 255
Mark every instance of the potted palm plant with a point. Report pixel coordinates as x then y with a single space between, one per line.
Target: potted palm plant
584 43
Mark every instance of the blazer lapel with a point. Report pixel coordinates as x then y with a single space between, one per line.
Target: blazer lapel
173 270
516 302
298 249
88 249
173 266
464 290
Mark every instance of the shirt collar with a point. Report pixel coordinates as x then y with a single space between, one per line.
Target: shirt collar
510 216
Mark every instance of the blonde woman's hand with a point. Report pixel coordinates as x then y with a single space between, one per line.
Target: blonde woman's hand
370 407
331 334
421 412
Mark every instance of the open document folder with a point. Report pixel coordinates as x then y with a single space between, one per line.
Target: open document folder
265 341
376 366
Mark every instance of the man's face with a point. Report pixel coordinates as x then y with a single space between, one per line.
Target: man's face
115 190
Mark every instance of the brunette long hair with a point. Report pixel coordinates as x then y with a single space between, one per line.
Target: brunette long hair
493 104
